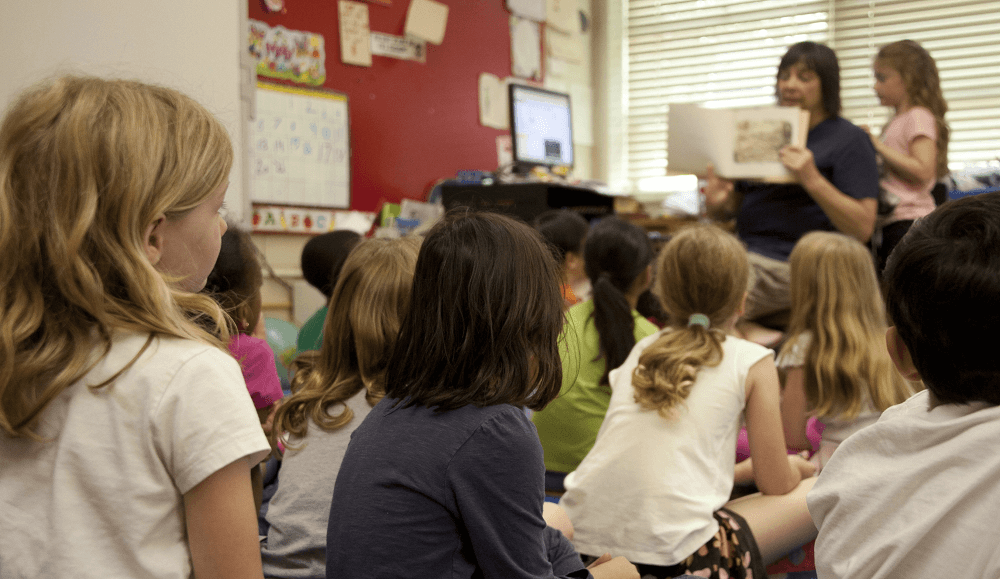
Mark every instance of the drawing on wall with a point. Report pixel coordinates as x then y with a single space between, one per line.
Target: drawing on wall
288 54
525 48
300 148
355 41
401 47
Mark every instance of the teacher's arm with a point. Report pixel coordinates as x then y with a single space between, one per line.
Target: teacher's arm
854 217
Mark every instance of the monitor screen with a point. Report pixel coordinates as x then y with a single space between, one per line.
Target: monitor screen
541 126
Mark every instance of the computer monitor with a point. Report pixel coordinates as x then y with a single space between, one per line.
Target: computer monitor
541 127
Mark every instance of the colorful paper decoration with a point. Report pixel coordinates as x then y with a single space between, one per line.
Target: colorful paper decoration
288 54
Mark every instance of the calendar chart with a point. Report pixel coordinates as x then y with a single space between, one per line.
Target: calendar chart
300 148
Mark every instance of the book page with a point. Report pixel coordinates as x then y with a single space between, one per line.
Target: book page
742 143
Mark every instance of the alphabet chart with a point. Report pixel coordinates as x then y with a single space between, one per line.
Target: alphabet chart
300 148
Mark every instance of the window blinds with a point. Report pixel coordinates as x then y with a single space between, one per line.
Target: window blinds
725 53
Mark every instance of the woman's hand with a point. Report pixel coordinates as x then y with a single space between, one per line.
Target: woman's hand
720 200
799 160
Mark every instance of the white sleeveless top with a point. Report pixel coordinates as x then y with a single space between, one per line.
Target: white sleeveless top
649 487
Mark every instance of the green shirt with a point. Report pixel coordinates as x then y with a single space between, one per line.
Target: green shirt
568 426
311 333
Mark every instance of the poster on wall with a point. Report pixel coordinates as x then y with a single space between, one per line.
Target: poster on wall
288 54
355 41
300 148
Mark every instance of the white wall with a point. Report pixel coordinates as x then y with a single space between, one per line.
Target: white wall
191 45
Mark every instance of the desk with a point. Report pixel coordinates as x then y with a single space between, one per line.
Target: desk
527 200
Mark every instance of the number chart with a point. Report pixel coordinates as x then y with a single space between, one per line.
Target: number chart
300 148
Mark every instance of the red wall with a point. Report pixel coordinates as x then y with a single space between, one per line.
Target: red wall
411 123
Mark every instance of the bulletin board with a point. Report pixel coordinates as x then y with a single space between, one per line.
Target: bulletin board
300 147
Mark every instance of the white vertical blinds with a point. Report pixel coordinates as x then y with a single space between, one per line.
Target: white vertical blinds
725 53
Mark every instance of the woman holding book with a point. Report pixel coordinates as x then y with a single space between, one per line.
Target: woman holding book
835 189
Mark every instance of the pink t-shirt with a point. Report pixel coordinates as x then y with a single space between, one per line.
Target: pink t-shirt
915 200
257 362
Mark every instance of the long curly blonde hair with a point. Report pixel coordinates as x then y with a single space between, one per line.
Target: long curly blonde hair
923 86
86 166
836 299
367 305
701 270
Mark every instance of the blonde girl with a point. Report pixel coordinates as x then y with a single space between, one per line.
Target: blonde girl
656 485
127 432
835 363
914 144
333 390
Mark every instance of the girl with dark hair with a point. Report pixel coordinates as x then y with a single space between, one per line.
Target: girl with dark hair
835 186
599 335
445 477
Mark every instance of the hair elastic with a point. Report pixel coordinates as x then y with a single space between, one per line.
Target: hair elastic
699 320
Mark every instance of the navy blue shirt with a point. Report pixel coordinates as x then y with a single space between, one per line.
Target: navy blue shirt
772 217
443 495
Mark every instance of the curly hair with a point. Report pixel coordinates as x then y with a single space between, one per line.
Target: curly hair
923 86
367 305
86 167
701 270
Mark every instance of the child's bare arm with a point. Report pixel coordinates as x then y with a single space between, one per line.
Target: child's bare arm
613 568
794 416
772 471
222 525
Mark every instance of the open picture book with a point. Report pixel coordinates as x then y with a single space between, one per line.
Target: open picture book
741 143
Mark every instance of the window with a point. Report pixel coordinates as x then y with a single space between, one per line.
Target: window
725 52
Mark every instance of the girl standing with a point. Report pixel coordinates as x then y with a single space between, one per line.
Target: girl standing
127 432
914 144
835 363
599 334
333 390
656 484
445 477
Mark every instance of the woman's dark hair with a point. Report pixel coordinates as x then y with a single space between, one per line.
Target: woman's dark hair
942 285
616 253
565 231
324 255
484 320
820 59
236 279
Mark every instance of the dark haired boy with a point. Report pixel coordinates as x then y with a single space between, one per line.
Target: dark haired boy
917 494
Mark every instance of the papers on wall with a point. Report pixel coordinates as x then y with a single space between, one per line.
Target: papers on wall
530 9
288 54
401 47
355 44
505 151
562 14
493 101
426 20
300 148
525 48
742 143
563 45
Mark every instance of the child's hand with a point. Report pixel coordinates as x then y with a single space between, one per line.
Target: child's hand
618 568
801 463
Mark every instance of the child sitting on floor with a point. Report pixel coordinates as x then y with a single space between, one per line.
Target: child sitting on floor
916 495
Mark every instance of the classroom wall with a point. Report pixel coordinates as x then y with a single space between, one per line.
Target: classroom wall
412 123
190 45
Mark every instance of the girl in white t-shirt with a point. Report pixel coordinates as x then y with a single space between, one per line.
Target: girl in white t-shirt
914 143
126 431
835 364
656 485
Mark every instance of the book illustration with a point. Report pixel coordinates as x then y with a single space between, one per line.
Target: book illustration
760 141
741 143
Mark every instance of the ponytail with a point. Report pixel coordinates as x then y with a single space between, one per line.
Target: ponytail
668 368
615 255
702 276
